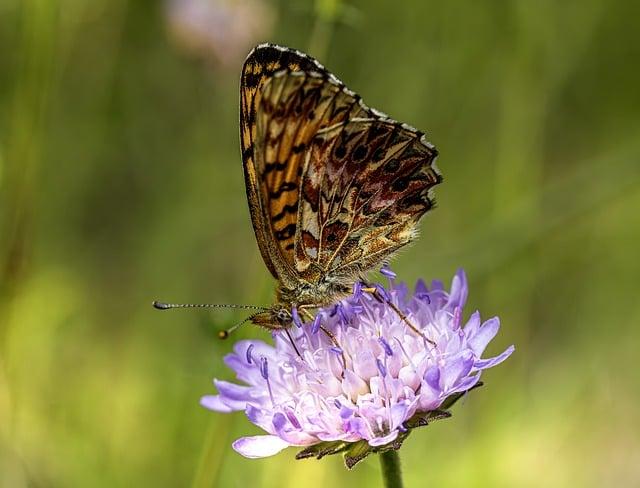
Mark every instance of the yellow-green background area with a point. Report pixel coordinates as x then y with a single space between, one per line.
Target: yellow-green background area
121 182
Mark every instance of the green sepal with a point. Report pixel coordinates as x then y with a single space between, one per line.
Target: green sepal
323 449
356 453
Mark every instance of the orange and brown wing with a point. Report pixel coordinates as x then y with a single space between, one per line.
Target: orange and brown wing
367 184
286 99
259 68
334 187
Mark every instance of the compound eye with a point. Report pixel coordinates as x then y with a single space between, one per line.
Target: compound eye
283 316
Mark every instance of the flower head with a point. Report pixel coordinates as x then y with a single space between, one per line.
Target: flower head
220 30
365 375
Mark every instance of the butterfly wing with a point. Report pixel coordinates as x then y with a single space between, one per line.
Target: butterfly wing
259 67
367 184
286 100
334 187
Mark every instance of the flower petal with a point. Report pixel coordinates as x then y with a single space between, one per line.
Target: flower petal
459 289
214 402
455 370
491 362
259 446
483 336
381 441
472 325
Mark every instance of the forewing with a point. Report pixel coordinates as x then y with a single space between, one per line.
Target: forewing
286 99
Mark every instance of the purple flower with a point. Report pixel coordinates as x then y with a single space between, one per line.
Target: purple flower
371 383
218 30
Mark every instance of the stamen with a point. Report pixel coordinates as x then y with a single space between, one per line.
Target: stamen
333 311
381 367
264 368
385 345
292 418
264 371
386 271
296 317
249 356
337 403
343 315
357 290
315 326
383 293
423 296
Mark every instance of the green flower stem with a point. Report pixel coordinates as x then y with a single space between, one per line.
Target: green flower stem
390 462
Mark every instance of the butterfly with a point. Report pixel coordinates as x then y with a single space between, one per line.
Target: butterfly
335 188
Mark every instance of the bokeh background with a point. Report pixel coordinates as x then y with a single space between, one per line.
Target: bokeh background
121 182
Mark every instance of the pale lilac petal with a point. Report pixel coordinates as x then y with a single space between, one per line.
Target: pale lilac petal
432 377
465 384
213 402
357 426
353 385
458 294
491 362
232 392
398 414
259 446
487 331
472 325
381 441
365 365
455 370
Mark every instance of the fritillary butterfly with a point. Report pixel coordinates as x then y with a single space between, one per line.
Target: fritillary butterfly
335 188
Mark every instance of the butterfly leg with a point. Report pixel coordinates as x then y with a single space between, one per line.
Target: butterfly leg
307 314
378 296
293 343
330 335
333 339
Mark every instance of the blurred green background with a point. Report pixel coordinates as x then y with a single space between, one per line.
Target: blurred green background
121 182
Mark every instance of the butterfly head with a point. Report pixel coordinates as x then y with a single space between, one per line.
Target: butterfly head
277 317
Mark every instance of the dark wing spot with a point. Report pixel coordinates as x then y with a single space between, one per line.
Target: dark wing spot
286 233
340 152
415 199
286 186
392 166
287 209
247 153
378 154
360 153
251 80
289 247
275 166
400 184
299 148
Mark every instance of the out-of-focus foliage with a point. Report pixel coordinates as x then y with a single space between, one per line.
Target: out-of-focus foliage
121 181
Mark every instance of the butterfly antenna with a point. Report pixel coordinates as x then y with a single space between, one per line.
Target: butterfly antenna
223 334
167 306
